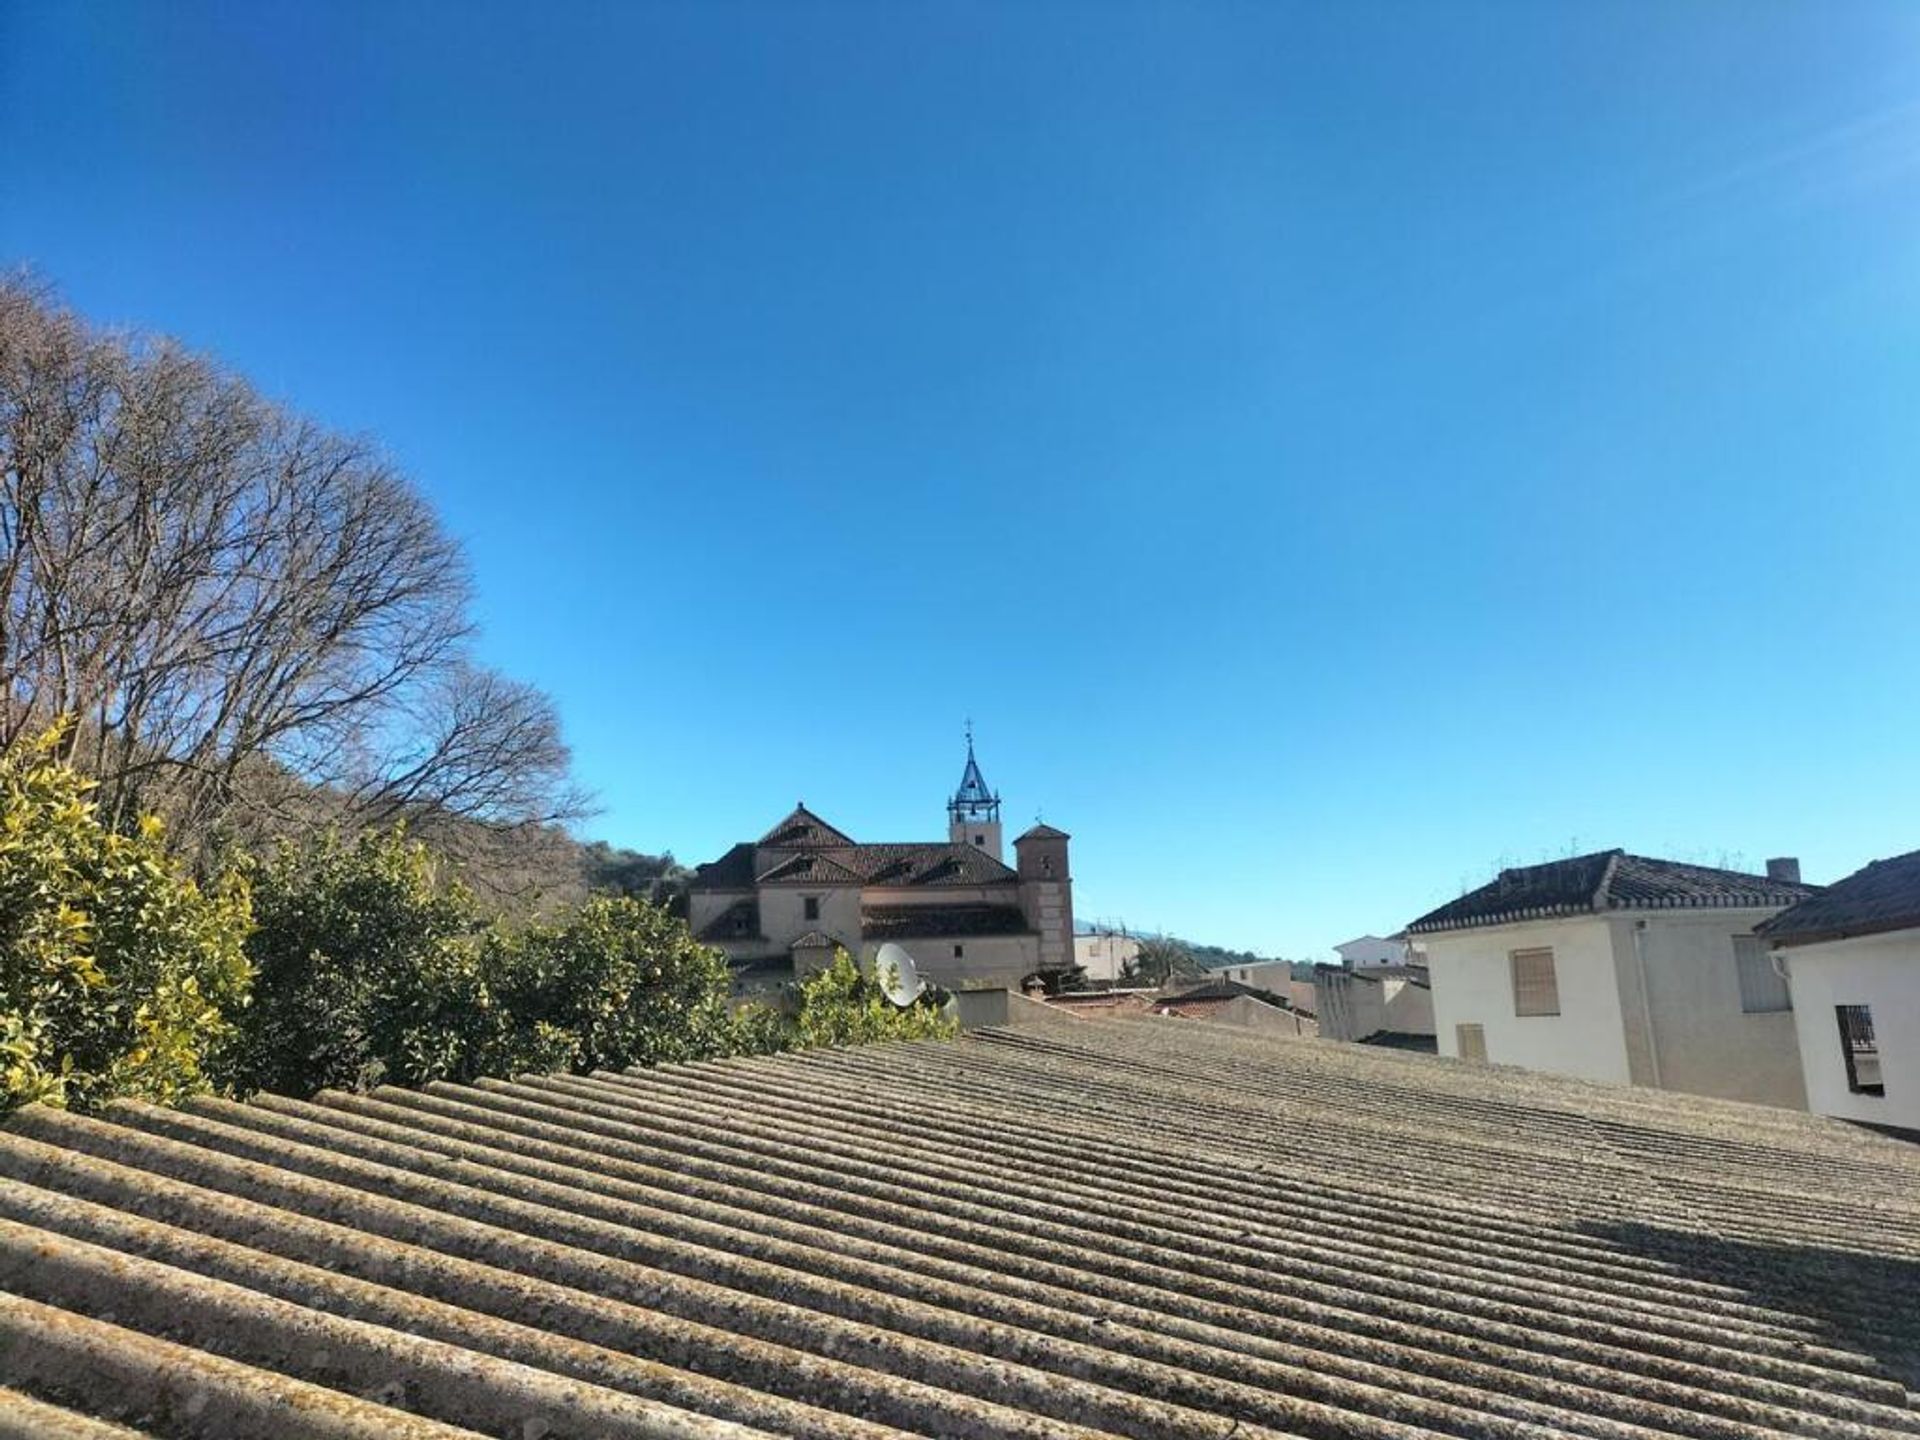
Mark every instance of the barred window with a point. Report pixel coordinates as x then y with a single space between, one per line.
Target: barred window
1536 990
1470 1041
1762 988
1861 1050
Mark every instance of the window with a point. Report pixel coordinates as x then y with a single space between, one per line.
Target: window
812 902
1471 1042
1857 1045
1762 988
959 952
980 840
1536 991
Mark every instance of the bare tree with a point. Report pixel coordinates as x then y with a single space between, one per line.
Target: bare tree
239 610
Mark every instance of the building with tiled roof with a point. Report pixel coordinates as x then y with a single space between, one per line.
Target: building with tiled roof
964 915
1620 968
1064 1230
1851 954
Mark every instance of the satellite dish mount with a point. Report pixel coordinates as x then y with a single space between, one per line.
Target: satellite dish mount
897 976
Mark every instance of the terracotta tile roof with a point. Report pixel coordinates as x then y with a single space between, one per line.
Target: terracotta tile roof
1606 880
938 863
732 871
809 867
1884 896
889 865
902 922
803 829
1217 989
1139 1228
1042 832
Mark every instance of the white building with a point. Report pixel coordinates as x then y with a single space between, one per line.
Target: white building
1620 968
1105 954
1852 958
1368 950
780 905
1393 1001
1272 975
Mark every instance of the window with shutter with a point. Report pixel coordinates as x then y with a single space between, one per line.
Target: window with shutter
1762 989
1536 990
1471 1042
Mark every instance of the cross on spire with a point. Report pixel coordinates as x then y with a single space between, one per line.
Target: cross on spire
973 800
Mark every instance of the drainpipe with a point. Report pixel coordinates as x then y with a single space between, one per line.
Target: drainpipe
1646 1000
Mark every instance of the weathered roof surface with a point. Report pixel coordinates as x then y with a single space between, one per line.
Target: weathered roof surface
1041 832
1884 896
739 921
811 867
802 829
903 922
1217 989
1087 1228
914 865
1606 880
732 871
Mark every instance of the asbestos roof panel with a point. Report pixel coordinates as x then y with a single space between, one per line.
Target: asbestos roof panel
1056 1231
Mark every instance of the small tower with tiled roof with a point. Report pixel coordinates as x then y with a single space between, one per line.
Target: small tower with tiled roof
973 814
1046 892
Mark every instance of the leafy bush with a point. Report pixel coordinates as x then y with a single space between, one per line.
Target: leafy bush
839 1006
625 980
366 971
116 970
120 976
372 972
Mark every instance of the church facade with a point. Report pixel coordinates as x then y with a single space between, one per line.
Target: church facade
779 906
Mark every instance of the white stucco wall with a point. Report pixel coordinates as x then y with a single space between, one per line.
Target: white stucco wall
1104 957
1702 1042
1348 1007
783 914
1371 950
1472 983
985 959
1274 975
1407 1008
1882 971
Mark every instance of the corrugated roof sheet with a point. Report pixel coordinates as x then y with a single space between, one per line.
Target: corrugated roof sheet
1606 880
1140 1229
1884 896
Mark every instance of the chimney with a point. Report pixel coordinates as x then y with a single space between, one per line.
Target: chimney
1786 868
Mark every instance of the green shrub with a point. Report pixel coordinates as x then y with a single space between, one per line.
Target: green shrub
839 1006
626 980
366 971
369 971
116 970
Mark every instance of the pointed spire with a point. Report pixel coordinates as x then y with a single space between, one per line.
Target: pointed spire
973 800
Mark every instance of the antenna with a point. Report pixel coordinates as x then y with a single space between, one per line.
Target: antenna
897 976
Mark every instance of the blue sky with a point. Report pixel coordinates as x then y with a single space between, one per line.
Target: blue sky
1329 450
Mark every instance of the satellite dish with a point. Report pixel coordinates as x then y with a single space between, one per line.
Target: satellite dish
896 975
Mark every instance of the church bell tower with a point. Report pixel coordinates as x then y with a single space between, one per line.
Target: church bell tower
973 814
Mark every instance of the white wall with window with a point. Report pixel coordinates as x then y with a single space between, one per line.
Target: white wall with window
1845 991
1682 1000
1718 1016
1542 993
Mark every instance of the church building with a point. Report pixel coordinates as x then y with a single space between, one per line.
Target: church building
779 905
